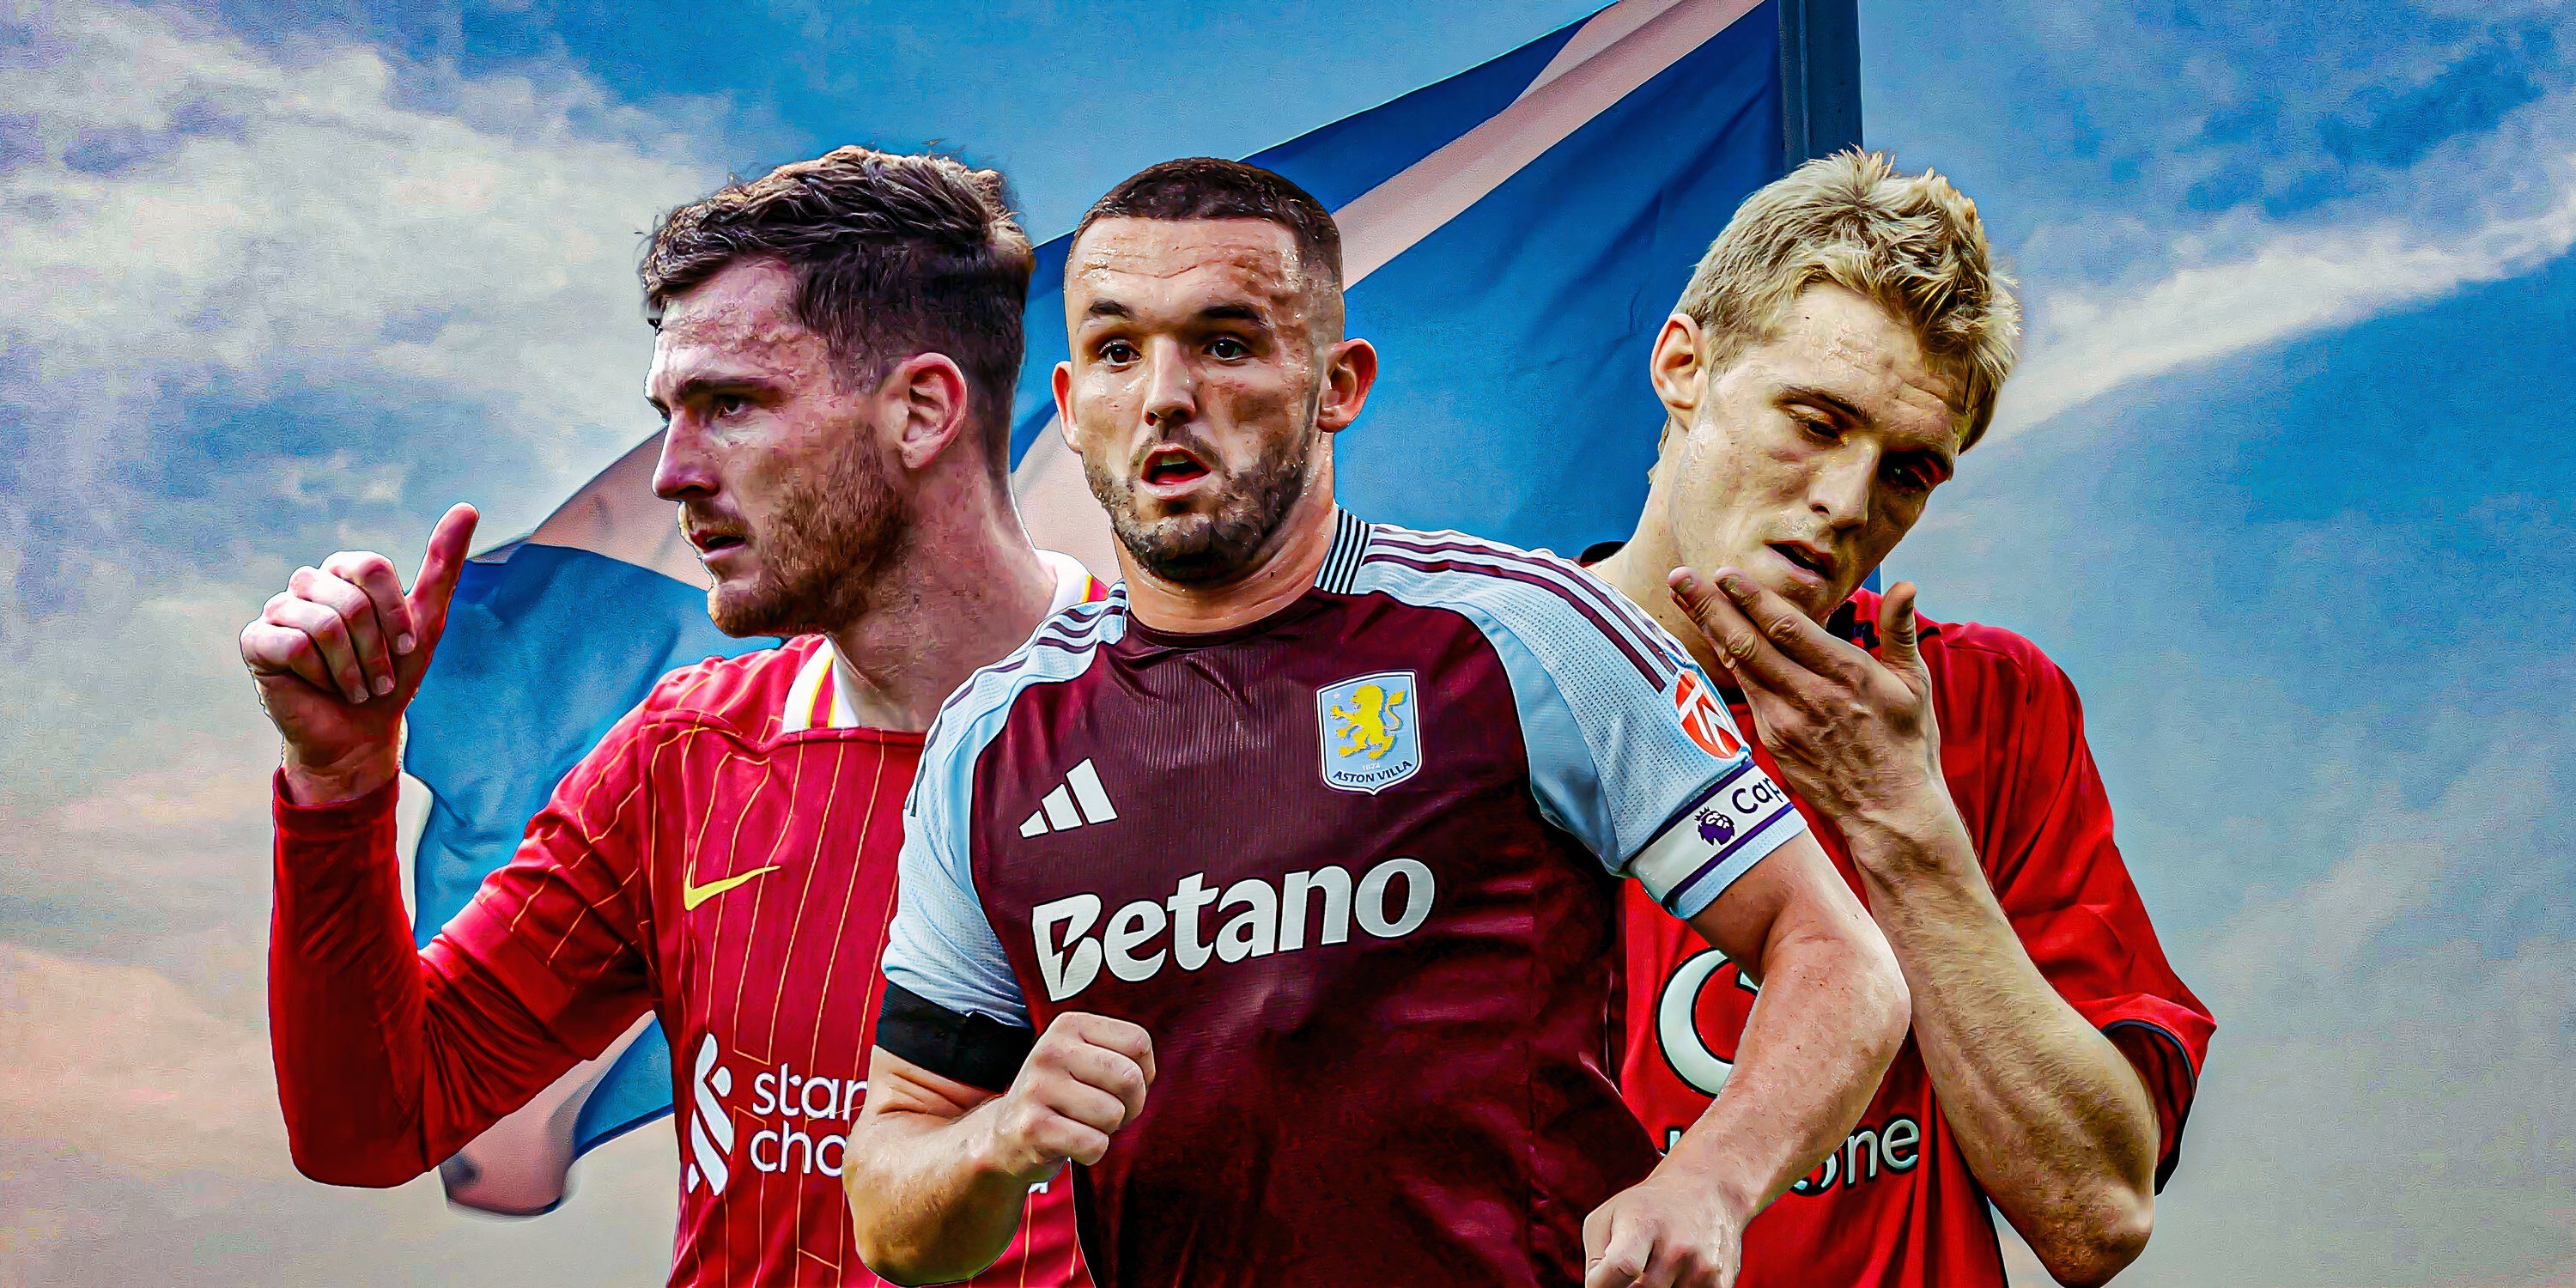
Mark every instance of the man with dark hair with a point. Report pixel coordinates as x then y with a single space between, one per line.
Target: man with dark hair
835 351
1279 891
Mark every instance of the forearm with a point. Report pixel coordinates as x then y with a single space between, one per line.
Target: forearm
2053 1120
1830 1016
346 999
926 1206
386 1064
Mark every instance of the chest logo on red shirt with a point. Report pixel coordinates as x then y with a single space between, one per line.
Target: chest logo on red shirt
1371 727
692 895
799 1120
1703 719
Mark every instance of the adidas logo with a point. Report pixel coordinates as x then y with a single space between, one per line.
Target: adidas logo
1075 801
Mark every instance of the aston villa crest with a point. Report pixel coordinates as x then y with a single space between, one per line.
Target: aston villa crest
1372 731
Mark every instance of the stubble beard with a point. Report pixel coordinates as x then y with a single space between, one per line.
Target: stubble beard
1199 549
835 533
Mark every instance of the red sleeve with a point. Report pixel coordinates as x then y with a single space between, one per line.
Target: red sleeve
2058 875
389 1060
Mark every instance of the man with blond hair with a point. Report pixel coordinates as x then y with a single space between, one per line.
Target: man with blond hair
1841 344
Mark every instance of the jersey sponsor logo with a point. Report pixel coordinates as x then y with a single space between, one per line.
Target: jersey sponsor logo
1075 802
801 1123
1892 1148
1703 719
1372 731
1677 1019
1258 918
692 895
1708 994
710 1126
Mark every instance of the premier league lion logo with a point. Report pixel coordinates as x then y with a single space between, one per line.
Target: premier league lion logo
1716 826
1371 728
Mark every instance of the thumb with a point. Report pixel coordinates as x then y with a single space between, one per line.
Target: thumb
449 543
1620 1257
1900 642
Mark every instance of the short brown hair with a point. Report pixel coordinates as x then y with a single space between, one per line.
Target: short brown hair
894 255
1912 242
1214 188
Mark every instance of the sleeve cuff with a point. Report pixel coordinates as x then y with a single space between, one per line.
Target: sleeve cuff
335 821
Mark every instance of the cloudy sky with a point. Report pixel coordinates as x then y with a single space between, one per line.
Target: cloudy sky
2283 484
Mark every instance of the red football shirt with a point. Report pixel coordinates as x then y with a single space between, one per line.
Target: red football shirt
725 859
1896 1205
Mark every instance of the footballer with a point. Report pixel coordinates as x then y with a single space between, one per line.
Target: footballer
835 350
1280 890
1840 345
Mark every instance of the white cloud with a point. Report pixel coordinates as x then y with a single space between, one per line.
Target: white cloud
67 1220
120 1063
2388 1102
2482 210
297 219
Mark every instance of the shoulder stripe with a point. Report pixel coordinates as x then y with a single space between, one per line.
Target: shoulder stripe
1351 535
1642 627
1073 630
1078 629
1658 671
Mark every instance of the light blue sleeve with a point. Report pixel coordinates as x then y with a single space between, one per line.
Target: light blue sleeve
941 947
1629 748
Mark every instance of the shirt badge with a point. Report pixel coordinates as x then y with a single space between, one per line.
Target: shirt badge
1703 720
1372 731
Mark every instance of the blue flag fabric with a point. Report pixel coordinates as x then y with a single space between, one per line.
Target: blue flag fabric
1513 236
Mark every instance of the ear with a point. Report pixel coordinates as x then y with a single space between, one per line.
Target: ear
926 404
1679 376
1350 371
1064 404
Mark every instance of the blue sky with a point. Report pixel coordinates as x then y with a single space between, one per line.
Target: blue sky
2283 484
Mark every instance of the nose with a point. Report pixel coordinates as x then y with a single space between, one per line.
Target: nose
1171 387
686 470
1839 493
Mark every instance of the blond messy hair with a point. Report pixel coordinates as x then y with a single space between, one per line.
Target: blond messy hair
1912 242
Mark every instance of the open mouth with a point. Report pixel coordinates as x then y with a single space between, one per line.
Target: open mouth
1807 558
1169 466
709 543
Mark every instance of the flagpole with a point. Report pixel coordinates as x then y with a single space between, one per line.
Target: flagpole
1819 78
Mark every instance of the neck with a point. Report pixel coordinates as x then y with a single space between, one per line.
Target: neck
968 591
1638 571
1286 569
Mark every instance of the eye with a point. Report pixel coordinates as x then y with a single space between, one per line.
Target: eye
1816 427
1910 476
1226 348
1118 353
728 405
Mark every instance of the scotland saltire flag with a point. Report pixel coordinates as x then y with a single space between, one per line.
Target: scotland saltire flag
1512 238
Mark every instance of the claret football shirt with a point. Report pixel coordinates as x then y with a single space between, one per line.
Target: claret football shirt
1356 868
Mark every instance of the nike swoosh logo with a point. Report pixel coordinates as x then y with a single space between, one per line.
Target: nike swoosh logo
693 895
